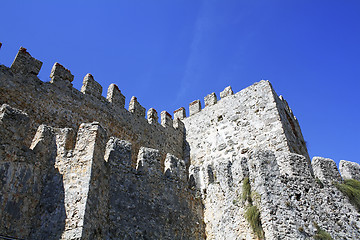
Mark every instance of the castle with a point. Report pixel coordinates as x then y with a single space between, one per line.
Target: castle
77 165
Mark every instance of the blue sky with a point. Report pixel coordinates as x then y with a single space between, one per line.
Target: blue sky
169 53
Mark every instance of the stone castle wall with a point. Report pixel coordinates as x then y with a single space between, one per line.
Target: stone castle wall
58 104
254 134
76 165
53 190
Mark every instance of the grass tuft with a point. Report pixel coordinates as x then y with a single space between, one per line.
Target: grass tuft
252 215
351 188
321 234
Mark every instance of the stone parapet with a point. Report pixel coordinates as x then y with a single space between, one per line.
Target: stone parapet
91 87
136 108
325 169
210 99
115 97
227 92
43 101
349 170
24 63
180 113
152 116
194 107
166 120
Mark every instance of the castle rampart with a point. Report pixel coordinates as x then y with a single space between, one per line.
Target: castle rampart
90 190
58 106
77 165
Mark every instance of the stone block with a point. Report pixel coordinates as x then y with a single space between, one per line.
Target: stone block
325 169
24 63
60 71
136 108
91 87
14 125
152 116
180 113
60 76
118 152
178 124
210 99
175 167
149 161
293 165
166 120
44 145
115 97
194 107
349 170
227 92
65 139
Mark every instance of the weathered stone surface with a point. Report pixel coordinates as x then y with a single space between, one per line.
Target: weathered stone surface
152 116
58 107
180 113
289 206
91 87
349 170
194 107
136 108
25 64
148 161
60 71
85 181
115 96
146 204
61 77
14 125
325 169
166 120
210 99
175 167
294 165
227 92
81 185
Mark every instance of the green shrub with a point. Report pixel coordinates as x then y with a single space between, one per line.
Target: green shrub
246 190
252 215
321 234
351 188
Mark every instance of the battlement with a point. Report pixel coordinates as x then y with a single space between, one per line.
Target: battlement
325 169
90 168
77 165
349 170
72 107
25 64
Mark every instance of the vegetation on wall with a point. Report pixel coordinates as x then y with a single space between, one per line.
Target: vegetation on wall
321 234
351 188
252 213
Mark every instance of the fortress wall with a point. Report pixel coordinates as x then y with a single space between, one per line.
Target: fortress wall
235 124
58 104
88 188
291 206
292 130
218 138
145 203
32 192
